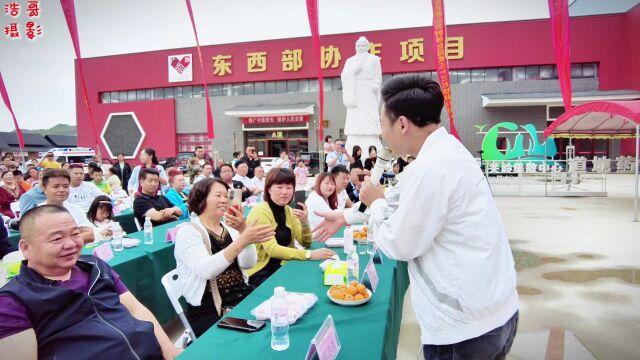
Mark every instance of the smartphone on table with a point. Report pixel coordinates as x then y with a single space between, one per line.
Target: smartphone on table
241 324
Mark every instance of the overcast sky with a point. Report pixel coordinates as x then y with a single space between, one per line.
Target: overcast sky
39 75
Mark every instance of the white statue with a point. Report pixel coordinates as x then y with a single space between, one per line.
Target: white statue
361 82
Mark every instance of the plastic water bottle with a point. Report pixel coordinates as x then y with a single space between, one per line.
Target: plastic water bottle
353 266
348 240
279 320
148 231
116 240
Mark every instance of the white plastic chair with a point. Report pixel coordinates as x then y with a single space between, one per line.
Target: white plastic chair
174 292
15 208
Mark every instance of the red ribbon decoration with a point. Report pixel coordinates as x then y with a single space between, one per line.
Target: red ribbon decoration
559 16
5 97
439 40
210 133
312 13
68 8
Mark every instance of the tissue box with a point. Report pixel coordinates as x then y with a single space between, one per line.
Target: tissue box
336 273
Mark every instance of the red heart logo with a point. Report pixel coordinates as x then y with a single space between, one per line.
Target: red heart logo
180 64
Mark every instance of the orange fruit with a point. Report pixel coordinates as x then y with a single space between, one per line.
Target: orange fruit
361 289
339 295
348 297
333 288
352 290
359 297
353 283
365 295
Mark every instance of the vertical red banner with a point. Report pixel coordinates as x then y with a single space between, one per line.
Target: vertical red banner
312 13
5 98
559 15
439 40
210 133
68 8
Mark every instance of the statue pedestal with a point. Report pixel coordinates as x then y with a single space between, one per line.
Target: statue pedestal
364 141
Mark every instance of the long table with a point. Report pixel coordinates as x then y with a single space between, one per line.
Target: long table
125 218
368 331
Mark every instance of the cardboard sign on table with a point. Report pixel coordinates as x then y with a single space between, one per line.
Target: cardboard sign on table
103 252
372 275
325 345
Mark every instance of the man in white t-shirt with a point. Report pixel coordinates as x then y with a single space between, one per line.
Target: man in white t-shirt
341 176
55 185
339 157
82 192
242 169
258 179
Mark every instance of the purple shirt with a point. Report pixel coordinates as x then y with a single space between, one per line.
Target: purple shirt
13 314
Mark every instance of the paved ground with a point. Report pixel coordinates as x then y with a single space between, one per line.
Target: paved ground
578 262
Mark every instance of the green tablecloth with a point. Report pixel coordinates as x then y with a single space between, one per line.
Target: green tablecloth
369 331
125 219
142 267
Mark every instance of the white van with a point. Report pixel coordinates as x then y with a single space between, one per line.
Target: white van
78 155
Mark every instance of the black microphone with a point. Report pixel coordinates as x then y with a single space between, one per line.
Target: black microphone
382 163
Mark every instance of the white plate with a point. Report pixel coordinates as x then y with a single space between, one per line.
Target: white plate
350 303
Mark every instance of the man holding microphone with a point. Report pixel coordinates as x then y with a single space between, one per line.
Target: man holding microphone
446 226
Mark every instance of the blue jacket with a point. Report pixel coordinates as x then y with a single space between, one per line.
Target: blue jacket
176 200
71 325
31 199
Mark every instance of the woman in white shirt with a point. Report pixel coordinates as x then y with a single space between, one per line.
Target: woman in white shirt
282 162
211 256
100 215
322 198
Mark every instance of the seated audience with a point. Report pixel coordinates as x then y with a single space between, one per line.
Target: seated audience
82 192
341 175
355 182
99 181
55 185
289 224
10 192
19 178
66 306
100 216
178 194
150 204
226 174
5 245
33 197
242 169
207 173
212 256
322 198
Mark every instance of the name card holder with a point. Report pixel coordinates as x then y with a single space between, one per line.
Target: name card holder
325 345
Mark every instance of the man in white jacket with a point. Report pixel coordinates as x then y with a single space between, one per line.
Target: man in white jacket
446 226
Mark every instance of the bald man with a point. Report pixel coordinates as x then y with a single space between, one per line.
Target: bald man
66 306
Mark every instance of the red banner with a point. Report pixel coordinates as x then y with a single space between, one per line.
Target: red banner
5 98
69 10
275 120
439 40
559 14
210 133
312 14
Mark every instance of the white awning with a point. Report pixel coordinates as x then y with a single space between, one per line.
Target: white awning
555 98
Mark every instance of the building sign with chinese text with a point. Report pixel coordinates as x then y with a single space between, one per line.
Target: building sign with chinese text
275 120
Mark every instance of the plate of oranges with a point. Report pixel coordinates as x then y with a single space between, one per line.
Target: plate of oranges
353 294
360 235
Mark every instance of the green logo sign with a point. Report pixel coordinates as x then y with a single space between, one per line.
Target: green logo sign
535 149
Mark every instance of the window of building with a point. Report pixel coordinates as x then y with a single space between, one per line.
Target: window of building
168 93
576 71
227 90
248 89
589 70
122 96
281 87
491 74
303 85
158 93
313 85
477 75
148 94
519 73
337 83
505 74
215 90
533 72
270 87
236 89
259 88
177 92
187 91
328 84
546 72
105 98
292 86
